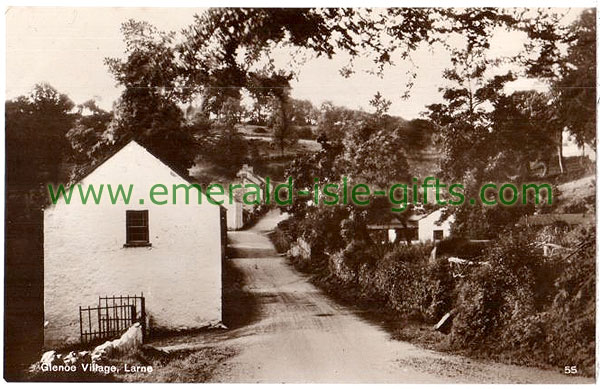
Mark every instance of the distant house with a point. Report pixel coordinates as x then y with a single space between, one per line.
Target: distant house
433 226
395 230
235 210
248 176
170 253
418 228
235 214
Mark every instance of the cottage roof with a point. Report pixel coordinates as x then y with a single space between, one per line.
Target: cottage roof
89 168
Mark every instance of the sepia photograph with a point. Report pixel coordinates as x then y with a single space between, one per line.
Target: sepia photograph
352 195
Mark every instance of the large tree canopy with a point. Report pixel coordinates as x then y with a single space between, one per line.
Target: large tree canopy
576 85
154 84
36 142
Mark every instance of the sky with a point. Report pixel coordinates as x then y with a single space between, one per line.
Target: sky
66 47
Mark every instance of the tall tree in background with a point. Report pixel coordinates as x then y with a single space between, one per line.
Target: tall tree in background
275 86
465 122
571 75
463 119
576 88
36 144
148 110
88 136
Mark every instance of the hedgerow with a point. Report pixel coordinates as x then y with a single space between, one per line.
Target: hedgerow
513 303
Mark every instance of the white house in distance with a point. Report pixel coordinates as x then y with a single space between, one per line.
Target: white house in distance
234 207
235 213
170 253
247 176
432 227
418 228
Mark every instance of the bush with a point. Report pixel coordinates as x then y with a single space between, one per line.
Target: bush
533 309
462 248
305 132
441 288
479 308
401 280
571 317
497 293
281 240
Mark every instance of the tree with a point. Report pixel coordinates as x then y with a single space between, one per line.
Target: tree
524 133
571 76
577 84
36 144
88 134
333 121
463 119
277 87
36 147
231 111
148 110
303 113
261 108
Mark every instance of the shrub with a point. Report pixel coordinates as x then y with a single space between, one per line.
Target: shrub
535 309
400 280
571 317
441 288
479 309
498 292
281 240
462 248
305 132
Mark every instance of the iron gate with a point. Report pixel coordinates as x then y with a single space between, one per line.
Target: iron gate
111 318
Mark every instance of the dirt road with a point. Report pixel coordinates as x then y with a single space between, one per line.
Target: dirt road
301 335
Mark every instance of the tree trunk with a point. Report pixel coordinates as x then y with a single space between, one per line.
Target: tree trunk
284 122
559 152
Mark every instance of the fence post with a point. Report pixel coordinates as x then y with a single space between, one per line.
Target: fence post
131 315
99 321
143 313
90 322
80 326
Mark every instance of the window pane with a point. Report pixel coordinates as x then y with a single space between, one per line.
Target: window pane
137 226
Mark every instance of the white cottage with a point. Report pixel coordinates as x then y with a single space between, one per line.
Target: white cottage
432 227
235 214
235 210
417 228
171 253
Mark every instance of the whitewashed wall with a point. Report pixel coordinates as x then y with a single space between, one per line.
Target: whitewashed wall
429 223
235 212
84 257
235 215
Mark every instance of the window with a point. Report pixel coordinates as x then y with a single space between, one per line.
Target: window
438 234
137 229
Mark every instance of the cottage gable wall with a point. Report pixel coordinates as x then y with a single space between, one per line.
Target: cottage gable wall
85 257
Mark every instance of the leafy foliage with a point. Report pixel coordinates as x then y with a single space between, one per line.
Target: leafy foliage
576 87
147 110
36 144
